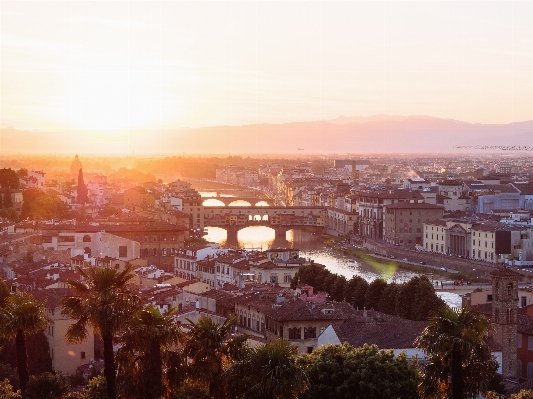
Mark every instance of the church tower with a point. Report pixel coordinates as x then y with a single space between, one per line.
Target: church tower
75 167
505 316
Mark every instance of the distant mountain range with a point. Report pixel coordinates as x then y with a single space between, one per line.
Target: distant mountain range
374 134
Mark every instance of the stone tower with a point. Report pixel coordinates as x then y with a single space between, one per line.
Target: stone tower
75 167
505 316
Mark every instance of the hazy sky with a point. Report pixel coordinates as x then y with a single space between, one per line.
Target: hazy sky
121 65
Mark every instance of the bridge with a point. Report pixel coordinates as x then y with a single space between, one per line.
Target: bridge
253 201
280 219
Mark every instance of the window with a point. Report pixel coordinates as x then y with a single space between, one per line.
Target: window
530 343
86 238
530 371
295 333
122 251
519 341
309 332
83 355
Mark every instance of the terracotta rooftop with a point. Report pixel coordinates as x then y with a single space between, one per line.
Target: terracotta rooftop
299 310
385 331
413 205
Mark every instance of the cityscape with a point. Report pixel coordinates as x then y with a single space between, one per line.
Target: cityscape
266 199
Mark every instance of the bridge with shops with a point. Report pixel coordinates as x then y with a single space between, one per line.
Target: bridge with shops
252 200
280 219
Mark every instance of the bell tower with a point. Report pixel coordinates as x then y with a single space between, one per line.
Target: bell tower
505 316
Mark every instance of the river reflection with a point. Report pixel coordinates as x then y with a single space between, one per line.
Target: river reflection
310 246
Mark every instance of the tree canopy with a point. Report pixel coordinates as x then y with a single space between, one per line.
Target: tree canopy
345 372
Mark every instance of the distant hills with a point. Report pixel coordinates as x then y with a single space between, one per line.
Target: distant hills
374 134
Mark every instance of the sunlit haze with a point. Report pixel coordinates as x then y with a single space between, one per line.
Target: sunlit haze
108 72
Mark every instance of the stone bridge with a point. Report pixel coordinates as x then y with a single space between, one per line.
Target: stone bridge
253 201
280 219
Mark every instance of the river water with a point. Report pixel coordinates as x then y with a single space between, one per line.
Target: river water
311 247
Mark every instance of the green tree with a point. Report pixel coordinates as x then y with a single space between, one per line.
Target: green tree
345 372
6 390
39 205
190 389
105 303
459 361
148 334
8 201
374 292
20 316
10 214
22 172
47 386
269 372
96 388
36 344
417 300
9 179
355 291
338 288
523 394
209 348
387 302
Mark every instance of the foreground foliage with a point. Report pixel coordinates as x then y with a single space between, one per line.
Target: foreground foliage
459 361
345 372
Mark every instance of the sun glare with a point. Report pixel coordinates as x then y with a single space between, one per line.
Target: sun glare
113 101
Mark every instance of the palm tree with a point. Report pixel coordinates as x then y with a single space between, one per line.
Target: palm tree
459 362
20 316
209 348
104 303
269 372
148 334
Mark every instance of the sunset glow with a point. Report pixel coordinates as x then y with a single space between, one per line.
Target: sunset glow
110 69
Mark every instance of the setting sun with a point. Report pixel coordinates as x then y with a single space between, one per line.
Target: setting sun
112 100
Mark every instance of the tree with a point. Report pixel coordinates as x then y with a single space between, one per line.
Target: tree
36 344
22 315
105 304
37 204
269 372
459 361
523 394
209 347
10 214
345 372
6 390
8 202
22 172
374 292
387 302
96 388
9 179
47 386
147 335
355 291
416 299
82 189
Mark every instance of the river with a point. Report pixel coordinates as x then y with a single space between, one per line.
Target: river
312 247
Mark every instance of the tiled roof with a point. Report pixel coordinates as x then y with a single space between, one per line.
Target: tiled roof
52 295
387 332
299 310
413 205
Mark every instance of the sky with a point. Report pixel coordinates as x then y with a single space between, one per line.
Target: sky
122 65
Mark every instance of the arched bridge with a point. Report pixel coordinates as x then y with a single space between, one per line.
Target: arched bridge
253 201
281 219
